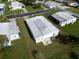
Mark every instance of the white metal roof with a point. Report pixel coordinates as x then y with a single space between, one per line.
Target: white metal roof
51 3
3 28
2 5
16 4
13 29
63 16
8 28
39 26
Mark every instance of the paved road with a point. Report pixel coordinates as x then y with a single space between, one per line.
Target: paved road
27 14
38 12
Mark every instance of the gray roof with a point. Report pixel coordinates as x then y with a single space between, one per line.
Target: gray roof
39 26
8 28
3 28
16 4
63 16
13 29
52 3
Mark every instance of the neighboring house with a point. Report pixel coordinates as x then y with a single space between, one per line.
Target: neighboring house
73 4
10 30
2 7
51 4
61 0
41 29
64 18
16 5
38 1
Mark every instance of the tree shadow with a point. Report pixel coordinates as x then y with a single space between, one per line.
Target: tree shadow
34 53
53 19
67 39
73 55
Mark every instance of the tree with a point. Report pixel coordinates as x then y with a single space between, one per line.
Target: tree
37 5
28 1
67 39
3 19
73 55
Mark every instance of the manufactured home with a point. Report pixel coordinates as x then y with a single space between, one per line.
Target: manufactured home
16 5
42 30
51 4
64 18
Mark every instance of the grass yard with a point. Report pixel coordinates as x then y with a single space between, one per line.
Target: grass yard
30 8
76 10
19 49
65 54
72 29
11 12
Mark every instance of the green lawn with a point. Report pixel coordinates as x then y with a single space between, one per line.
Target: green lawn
72 29
30 8
19 49
76 10
11 12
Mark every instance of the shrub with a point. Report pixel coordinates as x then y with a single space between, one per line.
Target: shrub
37 5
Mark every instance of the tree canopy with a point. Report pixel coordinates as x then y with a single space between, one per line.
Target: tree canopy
28 1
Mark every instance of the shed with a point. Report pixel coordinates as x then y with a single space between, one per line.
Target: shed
42 30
